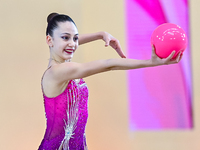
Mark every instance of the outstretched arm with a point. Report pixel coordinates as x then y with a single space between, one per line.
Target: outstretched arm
127 64
106 37
70 70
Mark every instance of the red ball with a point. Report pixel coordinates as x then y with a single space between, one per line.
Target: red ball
169 37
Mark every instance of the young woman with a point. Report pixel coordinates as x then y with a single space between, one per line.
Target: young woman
65 93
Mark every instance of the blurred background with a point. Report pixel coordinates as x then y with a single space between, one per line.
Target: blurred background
24 57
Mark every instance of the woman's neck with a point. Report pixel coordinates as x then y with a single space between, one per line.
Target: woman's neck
53 60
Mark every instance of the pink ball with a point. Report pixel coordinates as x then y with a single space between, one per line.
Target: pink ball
168 37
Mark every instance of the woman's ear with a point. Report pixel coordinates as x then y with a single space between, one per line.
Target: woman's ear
49 40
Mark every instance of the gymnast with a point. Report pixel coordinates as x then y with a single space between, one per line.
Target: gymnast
64 90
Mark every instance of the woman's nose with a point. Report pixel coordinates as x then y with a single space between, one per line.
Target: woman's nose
71 43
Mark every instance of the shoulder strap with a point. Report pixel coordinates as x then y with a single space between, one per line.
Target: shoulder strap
43 76
45 72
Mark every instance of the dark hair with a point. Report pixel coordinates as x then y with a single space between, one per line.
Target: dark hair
53 20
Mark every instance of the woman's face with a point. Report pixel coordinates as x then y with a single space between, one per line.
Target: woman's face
64 41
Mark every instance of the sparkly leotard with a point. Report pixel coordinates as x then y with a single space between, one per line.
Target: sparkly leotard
66 116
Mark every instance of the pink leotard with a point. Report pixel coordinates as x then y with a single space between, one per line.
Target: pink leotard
66 117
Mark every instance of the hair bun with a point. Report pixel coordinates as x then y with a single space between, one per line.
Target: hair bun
51 16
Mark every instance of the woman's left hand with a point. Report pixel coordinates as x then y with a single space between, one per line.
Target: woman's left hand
113 42
165 61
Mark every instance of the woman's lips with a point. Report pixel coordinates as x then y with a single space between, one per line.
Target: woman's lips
69 51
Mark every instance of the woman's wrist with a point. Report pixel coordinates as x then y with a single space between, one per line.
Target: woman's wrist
152 63
86 38
100 35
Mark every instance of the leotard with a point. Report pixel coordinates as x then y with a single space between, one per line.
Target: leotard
66 118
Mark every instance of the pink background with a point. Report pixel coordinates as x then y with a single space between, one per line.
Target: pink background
160 97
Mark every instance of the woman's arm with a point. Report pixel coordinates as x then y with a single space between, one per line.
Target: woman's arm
70 70
86 38
127 64
108 38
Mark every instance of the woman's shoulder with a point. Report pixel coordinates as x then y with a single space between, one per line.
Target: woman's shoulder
57 68
52 87
50 72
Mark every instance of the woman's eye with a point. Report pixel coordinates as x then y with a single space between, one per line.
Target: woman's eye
76 38
65 38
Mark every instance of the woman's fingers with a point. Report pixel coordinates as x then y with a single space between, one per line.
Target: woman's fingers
178 58
121 53
107 42
116 45
171 56
153 49
165 61
181 56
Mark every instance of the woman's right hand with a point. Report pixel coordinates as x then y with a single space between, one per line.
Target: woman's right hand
113 42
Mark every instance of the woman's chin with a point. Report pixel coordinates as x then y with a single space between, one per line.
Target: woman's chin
68 57
67 60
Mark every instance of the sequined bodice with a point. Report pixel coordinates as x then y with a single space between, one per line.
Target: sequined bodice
66 117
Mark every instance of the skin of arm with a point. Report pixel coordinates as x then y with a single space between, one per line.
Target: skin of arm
106 37
86 38
71 70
